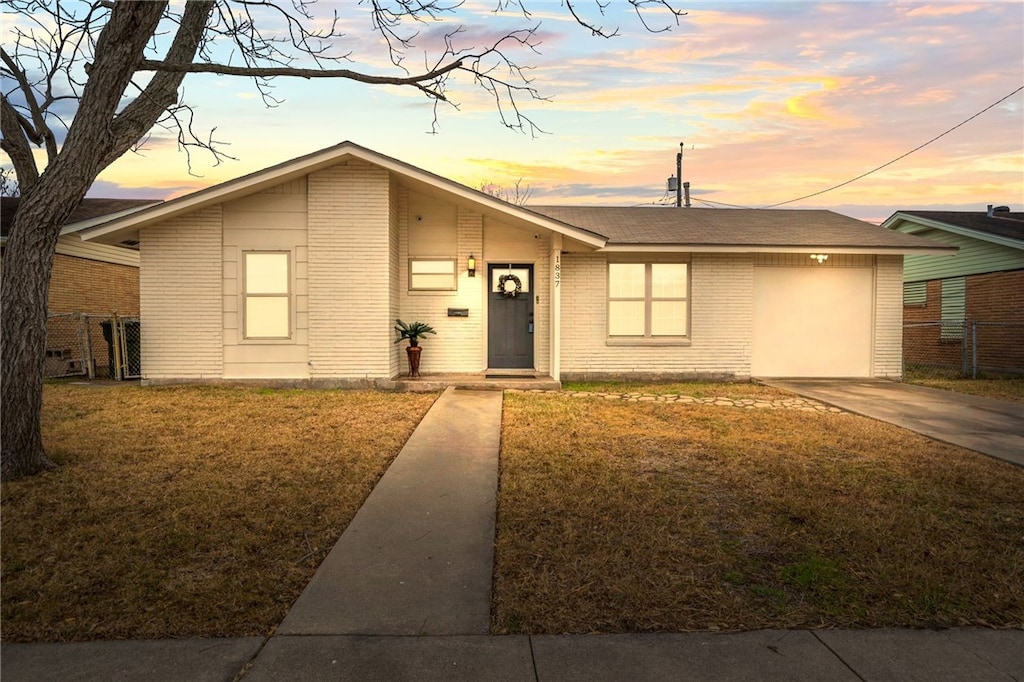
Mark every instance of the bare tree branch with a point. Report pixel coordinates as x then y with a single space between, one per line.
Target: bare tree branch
35 130
272 72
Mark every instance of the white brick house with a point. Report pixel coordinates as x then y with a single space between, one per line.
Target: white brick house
298 272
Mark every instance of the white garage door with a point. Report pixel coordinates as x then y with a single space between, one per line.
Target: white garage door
812 322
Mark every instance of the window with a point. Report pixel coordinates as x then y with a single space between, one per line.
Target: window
648 300
432 274
915 293
267 308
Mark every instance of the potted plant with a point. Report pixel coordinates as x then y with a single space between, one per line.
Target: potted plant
413 331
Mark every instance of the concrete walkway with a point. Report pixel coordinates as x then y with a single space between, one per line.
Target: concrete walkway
417 558
405 595
992 427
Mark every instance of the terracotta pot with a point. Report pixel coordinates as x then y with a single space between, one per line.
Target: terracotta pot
414 360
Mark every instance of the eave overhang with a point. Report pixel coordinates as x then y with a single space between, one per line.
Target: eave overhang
915 224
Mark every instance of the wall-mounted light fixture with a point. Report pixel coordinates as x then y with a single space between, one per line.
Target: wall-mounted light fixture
471 265
820 257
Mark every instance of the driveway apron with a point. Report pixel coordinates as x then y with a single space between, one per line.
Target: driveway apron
991 427
417 558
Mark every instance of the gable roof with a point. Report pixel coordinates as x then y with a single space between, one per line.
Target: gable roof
414 177
1003 228
606 228
87 210
713 229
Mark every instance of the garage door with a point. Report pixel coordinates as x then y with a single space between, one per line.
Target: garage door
812 322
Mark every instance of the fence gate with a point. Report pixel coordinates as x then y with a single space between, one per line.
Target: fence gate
94 346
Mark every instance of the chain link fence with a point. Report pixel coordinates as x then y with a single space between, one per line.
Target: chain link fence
92 346
962 349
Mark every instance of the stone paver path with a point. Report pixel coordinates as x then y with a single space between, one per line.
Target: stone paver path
789 403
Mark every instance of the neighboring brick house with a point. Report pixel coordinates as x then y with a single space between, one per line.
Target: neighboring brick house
970 305
89 278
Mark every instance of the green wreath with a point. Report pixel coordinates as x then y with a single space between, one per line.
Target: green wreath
507 291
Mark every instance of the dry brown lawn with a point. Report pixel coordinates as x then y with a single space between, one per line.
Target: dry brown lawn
187 511
1005 388
633 517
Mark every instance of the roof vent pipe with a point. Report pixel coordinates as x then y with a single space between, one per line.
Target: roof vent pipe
990 210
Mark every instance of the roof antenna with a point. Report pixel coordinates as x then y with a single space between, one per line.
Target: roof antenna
679 177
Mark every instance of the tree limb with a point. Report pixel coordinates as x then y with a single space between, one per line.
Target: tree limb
271 72
161 93
16 145
35 130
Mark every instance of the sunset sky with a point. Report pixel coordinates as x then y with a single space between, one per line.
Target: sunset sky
774 101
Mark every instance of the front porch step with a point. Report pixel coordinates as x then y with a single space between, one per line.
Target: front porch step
439 382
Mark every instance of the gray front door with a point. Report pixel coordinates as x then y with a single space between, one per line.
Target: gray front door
510 319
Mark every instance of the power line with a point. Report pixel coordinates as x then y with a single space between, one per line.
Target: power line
903 156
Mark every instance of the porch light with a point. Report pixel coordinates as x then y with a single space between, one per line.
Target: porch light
471 265
820 257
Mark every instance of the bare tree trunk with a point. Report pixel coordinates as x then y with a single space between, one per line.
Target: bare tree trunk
98 136
28 259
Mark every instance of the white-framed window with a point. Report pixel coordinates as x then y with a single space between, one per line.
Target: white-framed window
432 274
266 294
648 300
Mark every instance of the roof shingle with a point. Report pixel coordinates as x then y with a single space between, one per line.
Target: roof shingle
1001 224
666 226
89 208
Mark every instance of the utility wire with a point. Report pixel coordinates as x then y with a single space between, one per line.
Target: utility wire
919 147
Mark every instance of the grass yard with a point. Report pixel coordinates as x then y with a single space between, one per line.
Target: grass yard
1005 388
187 511
634 517
738 389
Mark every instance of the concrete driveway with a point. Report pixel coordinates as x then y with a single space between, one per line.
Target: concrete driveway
992 427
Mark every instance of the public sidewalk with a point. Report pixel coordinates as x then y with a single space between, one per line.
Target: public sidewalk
959 655
405 595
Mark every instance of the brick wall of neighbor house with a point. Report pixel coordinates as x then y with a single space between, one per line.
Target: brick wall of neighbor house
888 342
995 297
998 297
721 300
349 272
180 296
89 286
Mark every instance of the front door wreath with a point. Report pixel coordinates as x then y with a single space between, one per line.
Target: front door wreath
509 285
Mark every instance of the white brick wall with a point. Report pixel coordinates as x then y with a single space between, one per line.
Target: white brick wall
349 270
458 344
397 206
180 297
888 341
721 300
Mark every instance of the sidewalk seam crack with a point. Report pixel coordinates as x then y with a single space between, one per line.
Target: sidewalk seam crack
533 659
836 654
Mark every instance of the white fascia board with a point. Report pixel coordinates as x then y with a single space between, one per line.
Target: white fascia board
709 248
83 225
927 223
